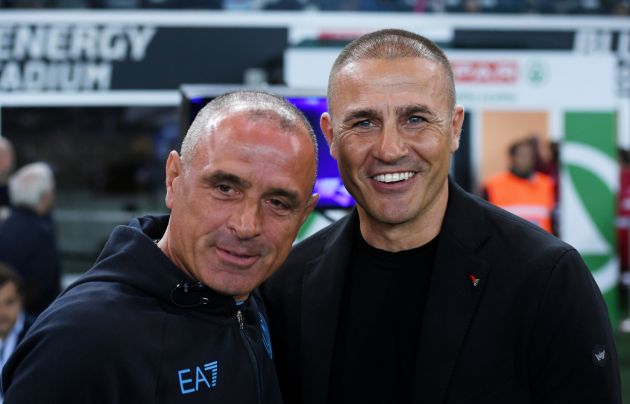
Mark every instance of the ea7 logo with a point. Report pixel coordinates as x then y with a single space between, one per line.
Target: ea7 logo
191 380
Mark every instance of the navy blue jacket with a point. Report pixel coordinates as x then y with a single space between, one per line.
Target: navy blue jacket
136 329
28 244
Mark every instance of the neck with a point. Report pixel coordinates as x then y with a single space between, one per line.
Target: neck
164 245
410 234
522 174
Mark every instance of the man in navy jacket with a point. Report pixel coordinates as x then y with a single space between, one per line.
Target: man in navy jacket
167 313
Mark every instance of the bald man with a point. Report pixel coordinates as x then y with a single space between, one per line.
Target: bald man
168 314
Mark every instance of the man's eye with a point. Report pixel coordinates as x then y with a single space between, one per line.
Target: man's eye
279 205
415 119
363 124
226 189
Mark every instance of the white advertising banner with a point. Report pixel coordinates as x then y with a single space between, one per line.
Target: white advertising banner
497 79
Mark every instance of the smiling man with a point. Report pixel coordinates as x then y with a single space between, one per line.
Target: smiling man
425 293
167 313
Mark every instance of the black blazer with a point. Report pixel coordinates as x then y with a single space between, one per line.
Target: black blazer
533 329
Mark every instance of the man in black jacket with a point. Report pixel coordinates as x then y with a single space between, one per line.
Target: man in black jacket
167 313
425 293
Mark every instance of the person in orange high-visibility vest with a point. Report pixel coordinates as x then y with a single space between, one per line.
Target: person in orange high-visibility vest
522 190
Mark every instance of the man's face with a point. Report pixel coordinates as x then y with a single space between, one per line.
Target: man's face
237 207
524 159
6 160
10 306
392 131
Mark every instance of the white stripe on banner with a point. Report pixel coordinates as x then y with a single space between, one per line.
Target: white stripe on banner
576 226
607 276
593 160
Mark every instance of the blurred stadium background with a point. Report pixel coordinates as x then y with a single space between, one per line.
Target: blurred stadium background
103 89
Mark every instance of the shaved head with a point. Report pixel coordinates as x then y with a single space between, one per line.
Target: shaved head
258 105
391 44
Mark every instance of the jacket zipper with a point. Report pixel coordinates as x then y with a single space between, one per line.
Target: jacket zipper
250 352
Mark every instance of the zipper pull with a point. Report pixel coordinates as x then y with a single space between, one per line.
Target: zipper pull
239 317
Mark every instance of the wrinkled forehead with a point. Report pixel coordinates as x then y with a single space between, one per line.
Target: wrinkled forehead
395 82
261 153
259 130
410 69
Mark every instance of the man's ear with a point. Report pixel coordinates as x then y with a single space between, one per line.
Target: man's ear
456 127
310 205
325 123
173 171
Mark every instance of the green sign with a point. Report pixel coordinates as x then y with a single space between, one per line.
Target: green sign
589 184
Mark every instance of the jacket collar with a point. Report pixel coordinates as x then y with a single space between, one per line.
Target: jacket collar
459 278
451 303
324 281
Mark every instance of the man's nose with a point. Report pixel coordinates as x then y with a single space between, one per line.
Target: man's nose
391 146
246 221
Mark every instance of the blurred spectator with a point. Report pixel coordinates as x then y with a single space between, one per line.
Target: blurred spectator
7 161
623 211
13 321
27 236
522 190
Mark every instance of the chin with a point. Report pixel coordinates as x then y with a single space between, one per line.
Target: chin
392 216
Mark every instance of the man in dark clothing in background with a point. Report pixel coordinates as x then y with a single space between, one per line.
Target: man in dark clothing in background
14 322
425 293
167 313
27 237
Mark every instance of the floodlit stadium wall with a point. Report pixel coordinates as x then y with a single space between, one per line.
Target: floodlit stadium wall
565 78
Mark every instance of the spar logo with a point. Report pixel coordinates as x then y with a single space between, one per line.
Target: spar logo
485 72
537 72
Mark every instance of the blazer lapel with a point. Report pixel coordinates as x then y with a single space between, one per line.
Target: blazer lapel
458 280
322 290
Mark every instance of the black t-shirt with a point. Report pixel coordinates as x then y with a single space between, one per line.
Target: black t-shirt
379 324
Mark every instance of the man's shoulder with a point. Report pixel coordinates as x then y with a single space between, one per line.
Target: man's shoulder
307 251
100 309
506 233
311 247
89 336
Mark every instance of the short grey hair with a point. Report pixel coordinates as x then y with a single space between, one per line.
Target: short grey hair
258 104
392 44
29 184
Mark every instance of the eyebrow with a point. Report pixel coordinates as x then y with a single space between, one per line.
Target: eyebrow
400 111
222 176
413 109
360 113
291 196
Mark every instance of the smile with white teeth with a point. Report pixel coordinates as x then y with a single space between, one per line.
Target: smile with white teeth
394 177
